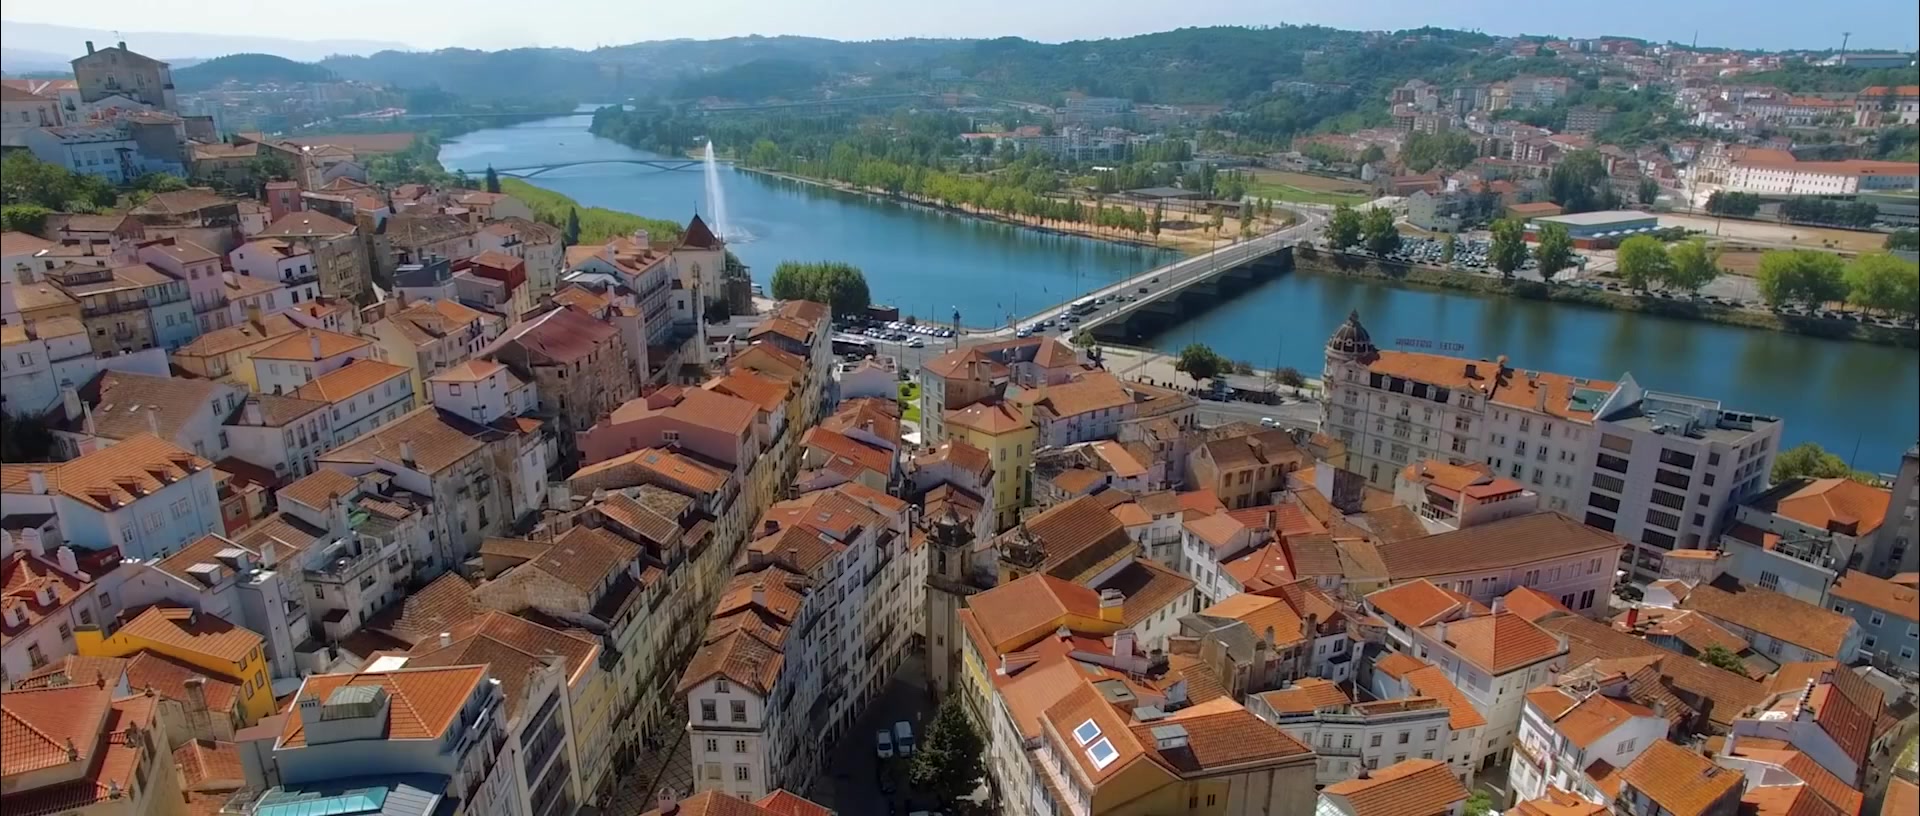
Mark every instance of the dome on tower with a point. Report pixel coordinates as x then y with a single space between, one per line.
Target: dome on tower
1352 338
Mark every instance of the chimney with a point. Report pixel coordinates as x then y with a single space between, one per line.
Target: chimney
37 482
251 415
196 693
446 639
253 313
1111 603
665 805
1499 605
70 402
406 452
1660 710
313 343
1540 398
35 540
759 594
770 527
342 524
89 46
1473 371
122 45
153 420
6 544
67 561
1440 631
1633 616
1123 644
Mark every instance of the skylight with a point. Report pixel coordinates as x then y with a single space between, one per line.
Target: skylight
1102 754
1087 732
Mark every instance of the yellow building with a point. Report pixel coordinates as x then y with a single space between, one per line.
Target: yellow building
204 641
1007 435
227 354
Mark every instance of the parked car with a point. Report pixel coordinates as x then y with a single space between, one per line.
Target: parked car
903 737
883 743
1269 422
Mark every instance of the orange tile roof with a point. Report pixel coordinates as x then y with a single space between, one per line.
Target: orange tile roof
194 631
1399 664
1262 568
1497 643
1826 504
1558 803
1085 394
424 704
1148 587
1775 614
299 346
1306 695
1260 613
112 759
767 392
145 463
437 607
1533 604
1878 593
1414 787
1430 681
314 489
439 441
1013 614
785 803
1220 734
1496 545
37 725
839 447
1903 797
208 761
1838 792
25 575
1787 800
741 657
1217 530
1418 603
667 464
1680 781
993 419
351 380
1595 717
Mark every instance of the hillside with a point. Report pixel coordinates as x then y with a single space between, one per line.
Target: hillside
253 68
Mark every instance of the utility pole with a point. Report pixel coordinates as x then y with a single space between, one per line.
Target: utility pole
1845 37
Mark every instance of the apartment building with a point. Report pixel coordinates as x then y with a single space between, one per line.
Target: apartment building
47 597
642 268
1416 787
145 496
1457 496
1777 625
431 336
361 396
293 360
1670 469
1816 710
368 543
1262 641
1799 536
1347 736
1245 468
1576 733
284 434
207 642
1547 552
1401 676
708 423
1892 550
1669 779
50 355
1777 176
199 268
579 367
962 377
802 638
537 244
339 255
226 354
256 587
271 260
1888 614
476 473
86 749
115 406
1004 431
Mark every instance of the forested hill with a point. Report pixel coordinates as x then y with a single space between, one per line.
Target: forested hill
252 68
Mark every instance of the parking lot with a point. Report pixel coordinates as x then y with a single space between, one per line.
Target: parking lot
1470 254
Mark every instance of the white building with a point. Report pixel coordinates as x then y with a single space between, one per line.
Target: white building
1349 736
1573 734
362 395
258 588
271 259
1494 659
283 434
1799 536
291 361
1668 471
143 495
48 596
1831 178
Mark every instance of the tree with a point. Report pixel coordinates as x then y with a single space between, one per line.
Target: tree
1691 265
1219 218
1555 251
1382 236
1154 221
1649 190
1372 154
571 234
1508 251
1801 276
1344 227
1447 248
1200 361
1479 803
1808 460
1722 202
1905 238
1642 260
1880 282
837 284
1573 184
1719 657
27 218
1290 377
949 763
493 180
1083 340
27 180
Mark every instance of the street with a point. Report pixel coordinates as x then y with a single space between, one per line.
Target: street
857 780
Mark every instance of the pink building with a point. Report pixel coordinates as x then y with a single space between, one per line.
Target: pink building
200 268
707 424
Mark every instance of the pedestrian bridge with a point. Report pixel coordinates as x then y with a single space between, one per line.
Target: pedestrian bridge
532 170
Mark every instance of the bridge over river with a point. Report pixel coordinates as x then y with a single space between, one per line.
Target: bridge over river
533 170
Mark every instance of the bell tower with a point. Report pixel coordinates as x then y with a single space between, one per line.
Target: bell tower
949 537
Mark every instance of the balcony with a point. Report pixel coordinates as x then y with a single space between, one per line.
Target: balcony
345 563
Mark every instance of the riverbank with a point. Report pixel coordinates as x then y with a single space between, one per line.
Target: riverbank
1309 259
1189 240
597 224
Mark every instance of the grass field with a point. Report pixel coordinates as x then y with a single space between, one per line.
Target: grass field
910 401
1280 185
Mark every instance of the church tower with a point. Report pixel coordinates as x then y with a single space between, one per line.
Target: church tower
949 547
1349 351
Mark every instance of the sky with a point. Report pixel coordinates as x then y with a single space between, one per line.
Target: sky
494 24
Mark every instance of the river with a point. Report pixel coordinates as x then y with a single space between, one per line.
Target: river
1858 400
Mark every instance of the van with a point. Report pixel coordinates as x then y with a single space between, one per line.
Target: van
883 743
903 738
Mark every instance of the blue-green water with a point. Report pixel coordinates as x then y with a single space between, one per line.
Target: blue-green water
1849 397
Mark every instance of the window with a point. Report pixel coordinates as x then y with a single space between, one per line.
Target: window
1619 444
1432 734
721 686
713 745
1684 461
1663 519
1404 736
1586 599
1624 746
1611 484
1707 479
1607 503
66 631
1346 740
737 710
1599 522
1609 462
708 711
1672 479
1655 538
741 774
1665 499
739 746
1876 619
1374 742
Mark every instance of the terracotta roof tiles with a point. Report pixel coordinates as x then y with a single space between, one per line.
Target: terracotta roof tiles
424 701
1775 614
1414 787
1680 781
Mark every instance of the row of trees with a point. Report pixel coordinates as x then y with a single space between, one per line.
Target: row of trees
1643 262
1877 282
1723 202
1373 229
1810 210
837 284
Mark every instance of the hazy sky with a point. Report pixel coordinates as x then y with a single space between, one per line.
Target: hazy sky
495 24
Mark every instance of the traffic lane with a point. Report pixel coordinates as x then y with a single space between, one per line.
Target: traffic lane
861 781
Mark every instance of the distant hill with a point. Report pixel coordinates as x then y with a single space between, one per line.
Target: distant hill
68 42
247 68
